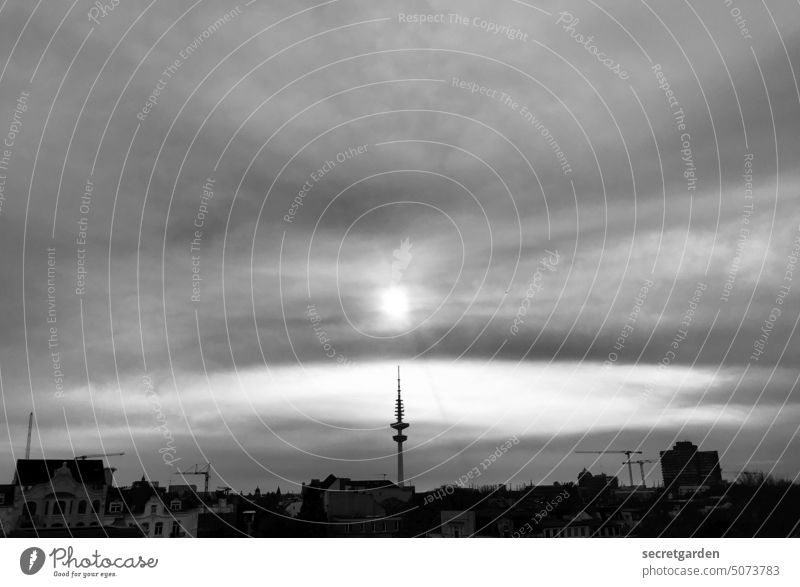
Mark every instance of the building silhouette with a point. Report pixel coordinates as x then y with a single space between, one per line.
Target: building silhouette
78 497
685 466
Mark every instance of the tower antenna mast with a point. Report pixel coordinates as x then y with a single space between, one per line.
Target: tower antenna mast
399 426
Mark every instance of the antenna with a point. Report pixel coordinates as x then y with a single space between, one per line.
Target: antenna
28 445
399 426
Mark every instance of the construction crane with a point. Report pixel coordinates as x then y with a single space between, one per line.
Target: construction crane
641 464
627 453
204 470
102 454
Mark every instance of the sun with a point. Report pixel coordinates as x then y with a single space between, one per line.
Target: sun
394 303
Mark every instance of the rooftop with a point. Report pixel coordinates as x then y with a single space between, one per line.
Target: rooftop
37 471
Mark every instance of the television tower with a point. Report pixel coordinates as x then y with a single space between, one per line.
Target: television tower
399 426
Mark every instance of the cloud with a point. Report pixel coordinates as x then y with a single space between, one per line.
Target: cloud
365 130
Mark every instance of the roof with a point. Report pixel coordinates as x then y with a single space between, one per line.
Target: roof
37 471
136 496
371 484
349 484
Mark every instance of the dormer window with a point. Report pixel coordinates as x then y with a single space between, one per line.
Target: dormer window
175 505
115 507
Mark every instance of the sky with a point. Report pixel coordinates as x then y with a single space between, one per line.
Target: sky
572 224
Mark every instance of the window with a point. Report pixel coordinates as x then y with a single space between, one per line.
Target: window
115 507
176 528
46 507
60 507
2 498
146 528
79 524
96 506
81 507
175 505
159 529
153 509
31 505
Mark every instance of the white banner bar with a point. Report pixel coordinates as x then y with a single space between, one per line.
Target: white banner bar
230 562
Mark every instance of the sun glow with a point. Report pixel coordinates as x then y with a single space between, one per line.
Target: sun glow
394 303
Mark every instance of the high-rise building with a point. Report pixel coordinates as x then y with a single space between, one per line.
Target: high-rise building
685 465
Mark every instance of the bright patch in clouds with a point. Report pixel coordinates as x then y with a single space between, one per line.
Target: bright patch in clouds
394 304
